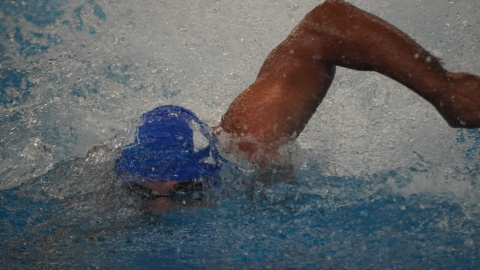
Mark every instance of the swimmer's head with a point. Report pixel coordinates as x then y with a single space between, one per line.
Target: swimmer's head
172 144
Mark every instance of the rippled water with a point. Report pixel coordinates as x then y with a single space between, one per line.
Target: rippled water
380 180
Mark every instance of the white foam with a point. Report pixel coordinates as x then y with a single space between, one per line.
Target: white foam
199 140
193 55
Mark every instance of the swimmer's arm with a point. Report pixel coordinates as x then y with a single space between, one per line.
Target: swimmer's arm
359 40
297 74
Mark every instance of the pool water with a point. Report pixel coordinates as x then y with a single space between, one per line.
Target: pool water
380 181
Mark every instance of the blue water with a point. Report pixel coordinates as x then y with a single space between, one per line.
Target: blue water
380 182
322 222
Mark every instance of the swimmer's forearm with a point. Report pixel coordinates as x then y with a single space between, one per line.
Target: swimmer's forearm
353 38
297 74
338 33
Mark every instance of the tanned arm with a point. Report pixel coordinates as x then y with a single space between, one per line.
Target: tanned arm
297 74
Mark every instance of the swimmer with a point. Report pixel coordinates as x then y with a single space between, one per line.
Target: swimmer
290 86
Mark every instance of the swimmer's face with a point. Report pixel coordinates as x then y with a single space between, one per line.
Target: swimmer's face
161 187
174 187
165 196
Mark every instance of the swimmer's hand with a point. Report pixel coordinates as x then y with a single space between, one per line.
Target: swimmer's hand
459 102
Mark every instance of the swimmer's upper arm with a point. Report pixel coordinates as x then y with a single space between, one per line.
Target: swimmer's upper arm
290 85
277 106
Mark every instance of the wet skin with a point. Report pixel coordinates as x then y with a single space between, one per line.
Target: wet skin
296 75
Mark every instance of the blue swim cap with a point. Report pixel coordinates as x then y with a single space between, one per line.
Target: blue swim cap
172 144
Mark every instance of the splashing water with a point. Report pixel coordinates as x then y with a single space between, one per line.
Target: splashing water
380 180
